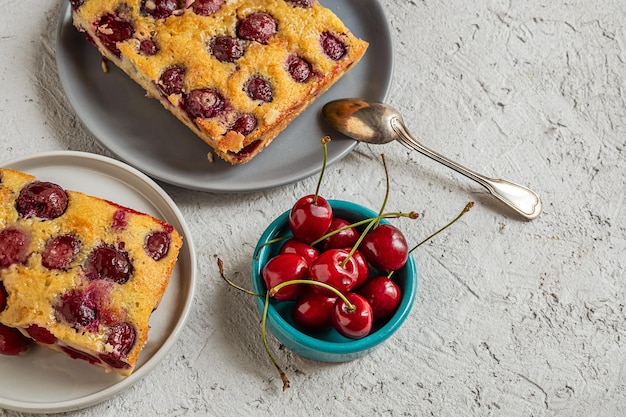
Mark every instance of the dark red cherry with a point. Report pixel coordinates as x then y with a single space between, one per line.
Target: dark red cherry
45 200
354 324
382 294
108 263
171 80
257 26
157 245
312 311
159 9
206 7
309 218
226 48
308 252
148 47
111 29
244 124
41 334
120 219
299 68
204 103
332 45
77 354
247 150
3 297
258 88
122 338
385 248
13 342
77 308
13 246
329 269
285 267
343 239
301 3
60 251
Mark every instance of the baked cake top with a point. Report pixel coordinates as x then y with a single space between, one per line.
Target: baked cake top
235 67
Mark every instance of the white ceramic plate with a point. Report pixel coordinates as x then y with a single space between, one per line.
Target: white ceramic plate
141 132
44 381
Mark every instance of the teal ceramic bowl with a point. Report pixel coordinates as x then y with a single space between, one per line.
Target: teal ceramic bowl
327 346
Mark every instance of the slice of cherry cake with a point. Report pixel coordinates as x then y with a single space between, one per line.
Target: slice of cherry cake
80 274
236 72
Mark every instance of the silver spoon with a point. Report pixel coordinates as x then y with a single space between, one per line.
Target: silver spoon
378 123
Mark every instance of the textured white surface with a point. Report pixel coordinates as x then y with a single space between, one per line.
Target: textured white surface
513 318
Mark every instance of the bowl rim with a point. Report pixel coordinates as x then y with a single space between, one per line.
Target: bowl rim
310 342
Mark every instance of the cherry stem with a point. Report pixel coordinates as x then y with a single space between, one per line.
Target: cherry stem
282 374
270 293
339 294
324 141
374 222
380 213
393 215
271 242
220 265
467 208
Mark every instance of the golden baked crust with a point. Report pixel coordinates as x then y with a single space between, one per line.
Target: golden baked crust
68 306
184 39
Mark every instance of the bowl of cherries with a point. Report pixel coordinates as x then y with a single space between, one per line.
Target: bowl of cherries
338 276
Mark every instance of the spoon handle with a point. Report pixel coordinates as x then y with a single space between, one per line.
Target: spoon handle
521 199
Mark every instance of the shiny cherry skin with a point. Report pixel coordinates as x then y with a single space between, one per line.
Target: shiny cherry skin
13 342
363 268
310 218
353 324
308 252
329 269
385 248
312 311
343 239
285 267
383 295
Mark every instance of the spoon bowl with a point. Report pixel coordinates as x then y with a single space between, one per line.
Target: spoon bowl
378 123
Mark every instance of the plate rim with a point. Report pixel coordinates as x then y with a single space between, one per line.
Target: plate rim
213 185
189 296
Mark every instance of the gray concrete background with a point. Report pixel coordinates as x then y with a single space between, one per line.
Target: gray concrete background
513 318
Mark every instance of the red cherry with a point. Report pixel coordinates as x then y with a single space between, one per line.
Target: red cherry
77 354
312 311
60 251
3 297
309 218
385 248
109 263
382 294
41 334
12 341
308 252
157 245
258 27
356 323
13 246
344 239
285 267
363 267
329 269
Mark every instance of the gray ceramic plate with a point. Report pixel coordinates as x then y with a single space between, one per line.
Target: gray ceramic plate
44 381
141 132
